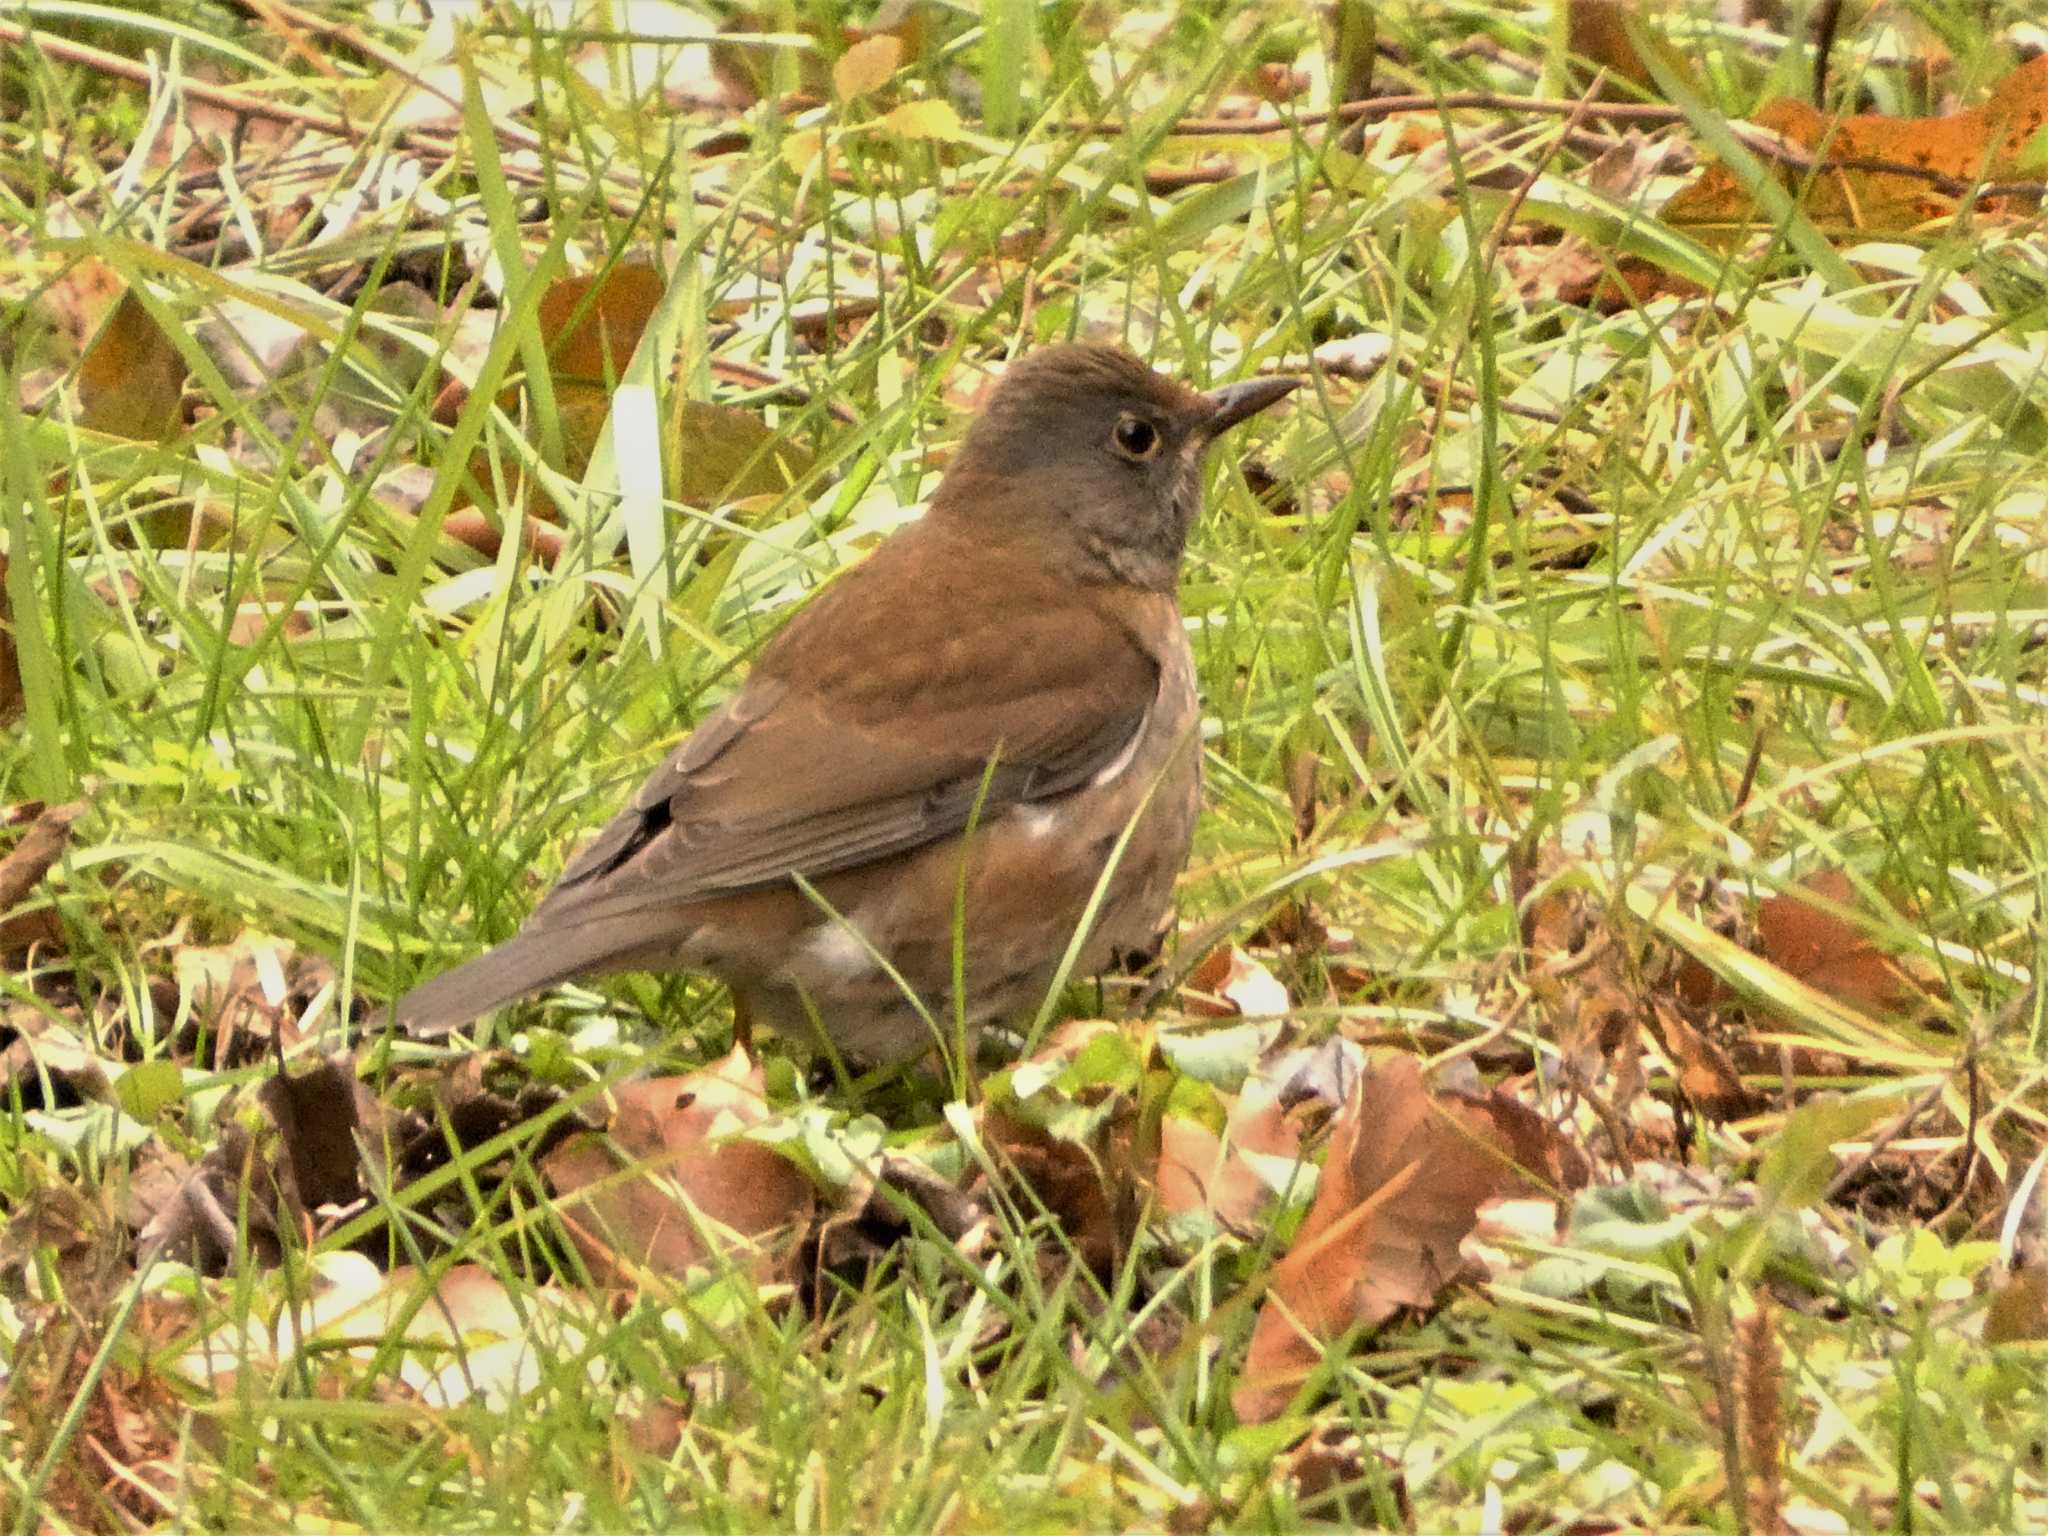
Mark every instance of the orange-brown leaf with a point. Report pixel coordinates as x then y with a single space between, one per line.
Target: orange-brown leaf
1990 142
1401 1186
592 323
131 378
1827 951
1599 33
691 1189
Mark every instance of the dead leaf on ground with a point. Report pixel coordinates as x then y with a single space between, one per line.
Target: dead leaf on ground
236 998
674 1185
1200 1170
23 869
1598 33
1706 1073
293 1147
469 525
1333 1476
2019 1308
1077 1184
1406 1174
121 1467
876 1214
1229 983
1197 1172
131 381
1064 1121
1828 952
1994 142
866 66
712 454
1569 271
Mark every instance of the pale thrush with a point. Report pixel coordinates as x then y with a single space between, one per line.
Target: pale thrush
966 722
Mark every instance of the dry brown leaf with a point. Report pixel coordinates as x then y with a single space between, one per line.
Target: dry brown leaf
1071 1181
591 324
1707 1075
468 525
1197 1173
673 1186
874 1214
1229 983
319 1114
1401 1186
23 869
1332 1476
239 995
1991 142
1568 272
2019 1308
301 1149
1079 1174
1200 1170
120 1470
1599 34
1828 952
866 66
132 379
79 299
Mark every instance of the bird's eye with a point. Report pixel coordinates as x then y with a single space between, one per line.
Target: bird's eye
1135 437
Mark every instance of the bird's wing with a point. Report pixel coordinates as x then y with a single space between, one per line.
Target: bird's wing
836 753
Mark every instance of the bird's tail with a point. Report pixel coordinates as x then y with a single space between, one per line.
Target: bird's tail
523 964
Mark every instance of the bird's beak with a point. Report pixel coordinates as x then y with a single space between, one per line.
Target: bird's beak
1235 402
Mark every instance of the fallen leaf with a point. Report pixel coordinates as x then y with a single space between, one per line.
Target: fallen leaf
1071 1180
1197 1173
295 1147
1598 33
1229 983
1401 1186
1706 1074
724 453
866 66
132 378
2018 1311
1827 951
1200 1170
874 1214
1993 142
1333 1476
592 322
925 120
674 1186
469 525
23 869
236 997
713 454
802 147
1064 1120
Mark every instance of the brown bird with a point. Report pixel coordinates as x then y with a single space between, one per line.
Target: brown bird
966 722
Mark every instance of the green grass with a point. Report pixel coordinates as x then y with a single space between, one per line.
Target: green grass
1793 532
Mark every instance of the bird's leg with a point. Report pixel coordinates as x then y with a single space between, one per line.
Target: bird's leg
742 1022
